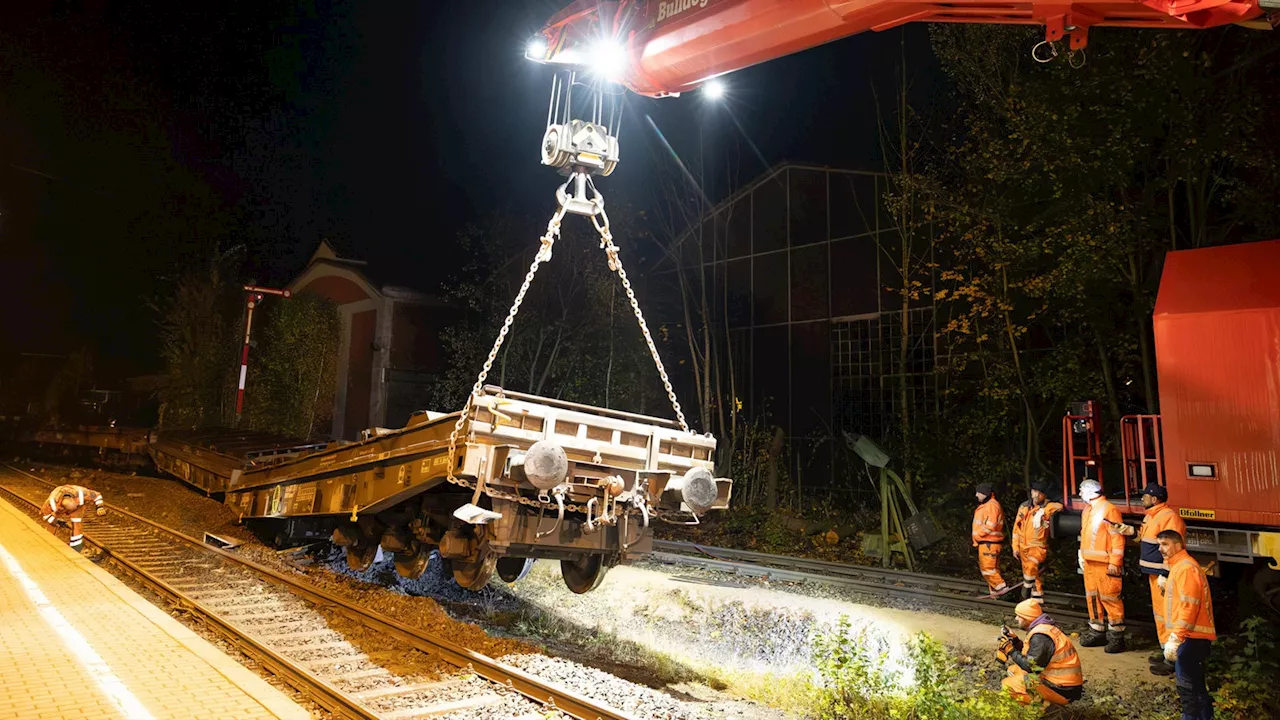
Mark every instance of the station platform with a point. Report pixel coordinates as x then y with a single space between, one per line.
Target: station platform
75 642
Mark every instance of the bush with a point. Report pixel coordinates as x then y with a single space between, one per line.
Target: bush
861 677
1248 674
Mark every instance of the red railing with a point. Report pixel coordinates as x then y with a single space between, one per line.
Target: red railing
1081 449
1142 450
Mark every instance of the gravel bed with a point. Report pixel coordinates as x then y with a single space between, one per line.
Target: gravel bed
995 615
626 696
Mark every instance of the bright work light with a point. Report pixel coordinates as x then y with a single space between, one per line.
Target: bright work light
608 59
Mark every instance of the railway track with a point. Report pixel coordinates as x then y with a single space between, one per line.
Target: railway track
934 589
277 620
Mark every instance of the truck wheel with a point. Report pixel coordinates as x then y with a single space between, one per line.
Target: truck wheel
412 564
474 575
583 574
361 557
513 569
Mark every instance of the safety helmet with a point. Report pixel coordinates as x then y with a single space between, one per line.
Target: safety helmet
1090 489
67 502
1029 609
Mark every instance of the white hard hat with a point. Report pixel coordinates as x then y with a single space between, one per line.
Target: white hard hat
1090 489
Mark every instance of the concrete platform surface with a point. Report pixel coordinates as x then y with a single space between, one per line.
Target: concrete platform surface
75 642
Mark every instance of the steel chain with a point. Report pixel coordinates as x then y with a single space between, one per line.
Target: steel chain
548 241
544 254
601 222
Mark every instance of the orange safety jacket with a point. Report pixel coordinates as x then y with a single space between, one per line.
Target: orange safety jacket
1099 542
1063 669
1031 527
1159 518
988 522
1188 605
52 508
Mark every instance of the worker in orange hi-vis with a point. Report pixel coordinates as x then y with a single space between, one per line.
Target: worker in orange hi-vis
65 505
1188 612
1047 653
1031 538
988 535
1159 517
1101 560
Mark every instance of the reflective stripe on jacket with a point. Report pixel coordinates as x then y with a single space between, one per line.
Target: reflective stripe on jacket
988 522
1098 541
1188 605
1063 669
1031 528
1159 518
52 508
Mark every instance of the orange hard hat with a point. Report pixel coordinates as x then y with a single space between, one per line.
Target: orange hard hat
68 502
1029 609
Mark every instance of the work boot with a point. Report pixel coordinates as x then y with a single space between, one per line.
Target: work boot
1115 642
1026 593
1156 657
1093 638
1162 668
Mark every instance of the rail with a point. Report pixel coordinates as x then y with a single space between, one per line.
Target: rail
536 689
879 581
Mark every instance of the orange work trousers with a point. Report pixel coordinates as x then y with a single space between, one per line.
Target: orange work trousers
1032 566
1102 592
1016 685
1157 608
989 565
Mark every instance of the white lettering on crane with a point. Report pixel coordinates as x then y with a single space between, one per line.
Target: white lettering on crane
670 9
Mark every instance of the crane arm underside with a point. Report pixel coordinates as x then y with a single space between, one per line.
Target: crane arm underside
674 45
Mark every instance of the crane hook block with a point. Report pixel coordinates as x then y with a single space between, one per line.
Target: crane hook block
578 145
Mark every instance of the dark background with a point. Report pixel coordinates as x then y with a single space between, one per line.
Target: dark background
136 137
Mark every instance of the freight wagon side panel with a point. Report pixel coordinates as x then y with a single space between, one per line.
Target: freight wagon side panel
1217 334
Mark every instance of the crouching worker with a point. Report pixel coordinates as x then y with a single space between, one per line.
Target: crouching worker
65 506
1047 653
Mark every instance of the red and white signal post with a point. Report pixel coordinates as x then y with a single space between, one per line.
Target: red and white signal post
254 296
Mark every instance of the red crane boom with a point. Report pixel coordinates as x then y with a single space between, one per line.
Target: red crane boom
672 46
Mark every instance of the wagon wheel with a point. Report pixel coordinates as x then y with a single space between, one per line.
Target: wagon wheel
474 575
413 563
584 573
360 557
513 569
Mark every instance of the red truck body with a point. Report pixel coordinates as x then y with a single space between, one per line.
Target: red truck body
1217 334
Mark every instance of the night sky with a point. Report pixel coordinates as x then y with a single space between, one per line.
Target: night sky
138 136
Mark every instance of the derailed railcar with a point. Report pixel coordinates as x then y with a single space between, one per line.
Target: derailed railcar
531 478
208 458
106 444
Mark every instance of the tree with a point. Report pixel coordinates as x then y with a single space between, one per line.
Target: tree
293 373
1062 189
574 337
197 343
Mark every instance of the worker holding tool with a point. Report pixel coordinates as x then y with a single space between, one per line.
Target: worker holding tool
65 506
1159 517
1188 614
1101 560
988 535
1047 654
1031 538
